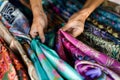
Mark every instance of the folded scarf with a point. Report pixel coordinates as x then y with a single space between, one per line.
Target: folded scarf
108 47
51 62
68 48
19 68
103 27
95 71
100 33
15 46
7 69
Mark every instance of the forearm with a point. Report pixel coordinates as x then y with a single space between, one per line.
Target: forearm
25 4
90 6
36 6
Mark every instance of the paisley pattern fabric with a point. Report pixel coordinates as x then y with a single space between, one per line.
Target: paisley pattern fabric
7 69
102 45
44 63
76 50
105 28
100 33
19 68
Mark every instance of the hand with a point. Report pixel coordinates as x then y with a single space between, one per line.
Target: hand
75 25
39 25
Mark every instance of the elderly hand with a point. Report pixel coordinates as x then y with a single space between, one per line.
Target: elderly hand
39 25
75 25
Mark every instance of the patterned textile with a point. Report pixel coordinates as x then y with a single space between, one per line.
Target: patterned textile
108 15
15 46
105 28
104 20
70 48
7 69
108 47
40 71
100 33
19 68
15 21
93 71
51 62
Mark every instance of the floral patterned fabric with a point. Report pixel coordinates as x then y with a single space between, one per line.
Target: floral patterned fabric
15 46
72 50
15 64
7 69
100 33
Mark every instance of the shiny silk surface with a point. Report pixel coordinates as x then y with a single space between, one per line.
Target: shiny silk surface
76 48
19 68
15 46
53 62
7 69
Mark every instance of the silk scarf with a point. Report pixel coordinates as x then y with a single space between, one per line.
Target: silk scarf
15 46
68 48
49 57
19 68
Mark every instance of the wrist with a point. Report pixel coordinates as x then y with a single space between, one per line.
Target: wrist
37 10
84 13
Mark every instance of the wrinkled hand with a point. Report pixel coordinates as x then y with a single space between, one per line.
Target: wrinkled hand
39 26
75 25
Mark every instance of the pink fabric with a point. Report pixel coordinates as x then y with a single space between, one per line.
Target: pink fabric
76 47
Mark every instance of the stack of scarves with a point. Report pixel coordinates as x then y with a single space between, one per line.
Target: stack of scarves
88 62
43 63
99 26
17 47
47 65
11 67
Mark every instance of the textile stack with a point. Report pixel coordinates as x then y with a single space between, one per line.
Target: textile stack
94 55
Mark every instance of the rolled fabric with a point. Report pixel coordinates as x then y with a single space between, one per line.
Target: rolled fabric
19 68
108 47
108 14
76 47
103 27
100 33
62 67
7 69
106 21
95 71
15 46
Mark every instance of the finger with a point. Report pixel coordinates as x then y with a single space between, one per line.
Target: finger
33 34
33 31
41 34
66 27
76 32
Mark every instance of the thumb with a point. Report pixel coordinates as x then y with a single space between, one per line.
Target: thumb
42 36
66 27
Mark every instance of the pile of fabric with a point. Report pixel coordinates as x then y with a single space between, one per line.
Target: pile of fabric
94 55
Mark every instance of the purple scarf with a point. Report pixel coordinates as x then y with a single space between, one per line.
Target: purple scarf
71 49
